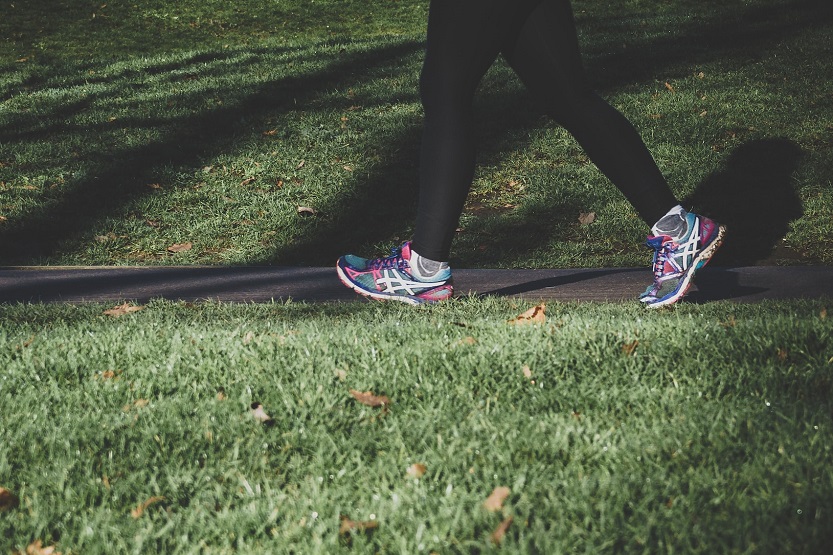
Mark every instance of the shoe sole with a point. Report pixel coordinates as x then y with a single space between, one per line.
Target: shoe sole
414 301
702 259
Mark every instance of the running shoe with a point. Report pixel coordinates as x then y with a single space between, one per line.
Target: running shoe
675 262
390 278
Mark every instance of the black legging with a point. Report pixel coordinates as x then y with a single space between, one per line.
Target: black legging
538 39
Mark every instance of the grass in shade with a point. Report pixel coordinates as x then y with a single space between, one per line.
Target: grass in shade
126 128
706 429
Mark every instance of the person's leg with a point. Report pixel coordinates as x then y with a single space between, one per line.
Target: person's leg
547 59
464 39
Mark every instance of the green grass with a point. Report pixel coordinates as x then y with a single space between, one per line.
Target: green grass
713 435
128 127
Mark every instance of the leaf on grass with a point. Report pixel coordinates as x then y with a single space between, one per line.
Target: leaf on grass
781 354
587 218
106 375
221 394
495 500
247 181
369 399
823 313
300 164
629 348
137 404
467 341
123 309
8 500
669 86
142 507
306 211
259 414
341 374
527 372
416 470
535 315
37 548
180 247
348 526
155 186
500 531
730 323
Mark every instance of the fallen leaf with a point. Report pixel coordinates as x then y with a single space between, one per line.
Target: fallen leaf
500 531
180 247
300 165
259 414
730 323
369 399
123 309
8 500
341 374
247 181
37 548
221 395
668 86
781 354
527 372
576 415
156 186
416 470
495 500
248 338
348 526
703 113
629 348
823 314
655 116
140 509
467 341
701 75
306 211
587 218
270 132
348 168
535 315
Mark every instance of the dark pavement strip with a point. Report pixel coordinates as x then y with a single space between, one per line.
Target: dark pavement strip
265 283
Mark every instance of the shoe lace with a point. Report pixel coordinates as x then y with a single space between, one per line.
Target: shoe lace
662 254
395 260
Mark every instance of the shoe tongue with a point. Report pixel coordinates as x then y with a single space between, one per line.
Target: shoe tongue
406 250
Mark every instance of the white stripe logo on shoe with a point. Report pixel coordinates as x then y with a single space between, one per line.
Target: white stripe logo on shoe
392 282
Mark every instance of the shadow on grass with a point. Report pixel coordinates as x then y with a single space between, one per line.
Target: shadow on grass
754 196
383 203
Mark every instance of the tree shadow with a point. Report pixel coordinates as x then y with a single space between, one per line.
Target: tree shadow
754 196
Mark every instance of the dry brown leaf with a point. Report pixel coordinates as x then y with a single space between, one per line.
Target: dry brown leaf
527 372
416 470
535 315
730 323
270 132
347 526
467 341
306 211
300 164
781 354
155 186
180 247
8 500
37 548
823 314
669 87
221 395
495 500
259 414
629 348
123 309
500 531
247 181
369 399
142 507
587 218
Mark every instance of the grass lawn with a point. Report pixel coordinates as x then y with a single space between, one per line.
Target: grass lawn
706 429
129 127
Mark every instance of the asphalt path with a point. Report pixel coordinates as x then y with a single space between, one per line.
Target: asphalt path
243 284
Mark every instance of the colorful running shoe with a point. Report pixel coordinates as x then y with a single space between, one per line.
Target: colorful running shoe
675 262
390 278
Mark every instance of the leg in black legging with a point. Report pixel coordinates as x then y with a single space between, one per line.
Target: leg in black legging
546 57
538 39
